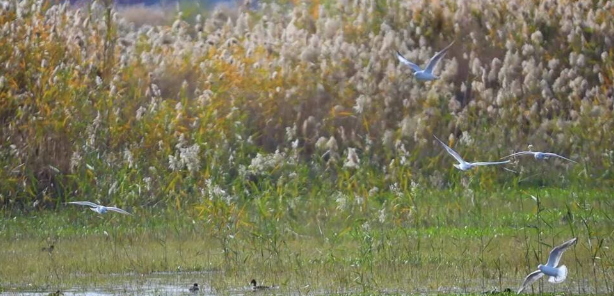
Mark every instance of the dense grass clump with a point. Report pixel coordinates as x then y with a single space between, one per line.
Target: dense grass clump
246 100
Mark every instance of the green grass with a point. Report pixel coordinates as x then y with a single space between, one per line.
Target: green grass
446 241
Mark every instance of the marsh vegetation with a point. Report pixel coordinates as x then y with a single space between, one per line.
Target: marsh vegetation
425 241
286 143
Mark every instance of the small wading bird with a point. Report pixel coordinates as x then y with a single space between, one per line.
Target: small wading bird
194 288
495 291
98 208
462 164
539 155
427 73
255 287
48 249
557 274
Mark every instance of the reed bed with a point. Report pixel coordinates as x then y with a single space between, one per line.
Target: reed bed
287 141
241 100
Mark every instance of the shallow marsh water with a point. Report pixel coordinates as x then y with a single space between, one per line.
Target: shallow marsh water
179 283
163 283
437 278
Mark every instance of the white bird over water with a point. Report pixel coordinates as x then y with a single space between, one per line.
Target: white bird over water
557 274
100 209
427 73
539 155
462 164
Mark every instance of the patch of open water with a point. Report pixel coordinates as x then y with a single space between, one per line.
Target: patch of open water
178 283
163 283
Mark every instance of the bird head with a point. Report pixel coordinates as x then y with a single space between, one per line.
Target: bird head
253 282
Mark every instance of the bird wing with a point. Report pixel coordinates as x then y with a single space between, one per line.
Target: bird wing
530 279
557 252
435 59
84 203
114 209
520 153
556 155
490 162
451 152
405 61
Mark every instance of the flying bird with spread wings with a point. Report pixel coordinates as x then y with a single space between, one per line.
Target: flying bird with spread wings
557 273
462 164
425 74
539 155
100 209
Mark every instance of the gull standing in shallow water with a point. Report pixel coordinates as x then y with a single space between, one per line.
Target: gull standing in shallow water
98 208
462 164
557 274
539 155
427 73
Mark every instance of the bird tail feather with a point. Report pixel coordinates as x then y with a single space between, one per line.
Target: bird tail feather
561 276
